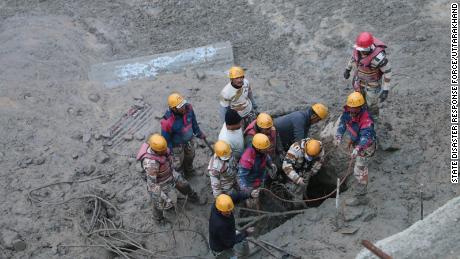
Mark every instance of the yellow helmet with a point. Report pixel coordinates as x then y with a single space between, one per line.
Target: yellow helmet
260 141
321 110
264 121
224 203
222 150
157 143
355 99
235 72
313 147
176 100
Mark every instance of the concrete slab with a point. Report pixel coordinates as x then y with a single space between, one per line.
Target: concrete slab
212 58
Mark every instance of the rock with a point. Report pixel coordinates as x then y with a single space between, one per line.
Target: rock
128 137
111 213
139 103
38 160
108 143
86 137
121 198
131 160
8 238
19 245
97 136
74 156
106 134
352 214
101 157
94 97
200 75
28 161
89 169
139 136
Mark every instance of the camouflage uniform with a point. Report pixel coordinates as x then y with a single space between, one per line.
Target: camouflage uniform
161 180
223 175
297 164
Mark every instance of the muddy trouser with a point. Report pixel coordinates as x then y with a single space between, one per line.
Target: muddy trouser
298 191
372 95
163 198
166 197
183 157
239 250
361 171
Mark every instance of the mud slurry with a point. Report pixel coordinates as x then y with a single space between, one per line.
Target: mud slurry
52 130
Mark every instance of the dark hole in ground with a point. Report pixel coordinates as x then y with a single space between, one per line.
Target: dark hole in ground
319 186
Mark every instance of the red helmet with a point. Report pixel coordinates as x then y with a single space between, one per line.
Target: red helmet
364 41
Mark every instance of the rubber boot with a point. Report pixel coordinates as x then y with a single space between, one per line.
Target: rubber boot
360 196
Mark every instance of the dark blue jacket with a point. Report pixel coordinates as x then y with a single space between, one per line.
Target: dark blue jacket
360 129
222 229
179 129
293 127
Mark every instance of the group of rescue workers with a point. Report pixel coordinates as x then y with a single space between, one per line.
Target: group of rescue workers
252 146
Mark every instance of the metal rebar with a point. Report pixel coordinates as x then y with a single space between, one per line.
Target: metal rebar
375 250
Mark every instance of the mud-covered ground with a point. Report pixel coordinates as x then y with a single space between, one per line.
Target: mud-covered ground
53 118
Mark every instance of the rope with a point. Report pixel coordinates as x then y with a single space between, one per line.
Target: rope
349 171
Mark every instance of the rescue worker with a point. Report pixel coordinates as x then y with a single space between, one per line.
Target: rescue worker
303 160
358 123
237 95
232 133
178 126
224 240
295 126
372 70
157 162
264 124
222 169
254 166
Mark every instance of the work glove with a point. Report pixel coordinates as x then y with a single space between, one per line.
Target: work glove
300 181
355 152
315 168
255 193
337 140
383 96
346 74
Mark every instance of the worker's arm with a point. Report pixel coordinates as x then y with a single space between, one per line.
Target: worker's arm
196 128
229 238
242 175
251 97
214 176
298 123
166 132
224 105
348 68
238 197
289 162
342 125
367 136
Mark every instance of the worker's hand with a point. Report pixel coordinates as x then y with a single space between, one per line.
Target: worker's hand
300 181
346 74
255 193
355 152
315 168
250 231
383 96
337 140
